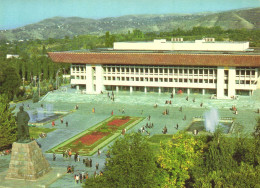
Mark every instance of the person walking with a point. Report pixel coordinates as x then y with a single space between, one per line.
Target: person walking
77 178
54 156
76 157
61 120
97 165
67 124
53 123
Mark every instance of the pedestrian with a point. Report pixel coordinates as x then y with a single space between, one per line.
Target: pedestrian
95 174
72 169
69 169
76 157
53 123
93 110
177 126
80 178
97 165
149 117
193 99
69 153
61 120
98 152
181 109
90 163
201 104
184 117
67 124
123 111
112 113
54 156
77 179
63 154
42 105
187 98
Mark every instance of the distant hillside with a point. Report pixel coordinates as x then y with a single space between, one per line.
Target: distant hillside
58 27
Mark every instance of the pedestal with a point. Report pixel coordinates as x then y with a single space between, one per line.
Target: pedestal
27 162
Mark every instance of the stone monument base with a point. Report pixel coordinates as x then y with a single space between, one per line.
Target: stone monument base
27 162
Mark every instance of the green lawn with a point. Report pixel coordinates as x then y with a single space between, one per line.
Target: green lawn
35 131
155 141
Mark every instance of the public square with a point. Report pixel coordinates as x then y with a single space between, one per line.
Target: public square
138 104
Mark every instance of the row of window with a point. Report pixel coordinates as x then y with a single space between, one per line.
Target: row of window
146 79
123 70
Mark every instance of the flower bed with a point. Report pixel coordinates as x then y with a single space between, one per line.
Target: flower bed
89 140
118 122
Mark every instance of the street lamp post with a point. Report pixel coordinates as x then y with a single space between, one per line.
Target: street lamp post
23 81
57 80
39 84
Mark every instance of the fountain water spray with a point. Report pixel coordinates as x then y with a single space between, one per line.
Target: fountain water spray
211 120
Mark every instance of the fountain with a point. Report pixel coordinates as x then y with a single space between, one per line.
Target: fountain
40 115
209 122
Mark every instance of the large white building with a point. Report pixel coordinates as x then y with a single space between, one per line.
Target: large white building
222 68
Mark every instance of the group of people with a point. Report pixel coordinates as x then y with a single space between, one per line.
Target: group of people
168 102
81 177
166 112
67 153
87 162
233 108
112 97
61 121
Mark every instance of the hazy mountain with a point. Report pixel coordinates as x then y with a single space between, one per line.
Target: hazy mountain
58 27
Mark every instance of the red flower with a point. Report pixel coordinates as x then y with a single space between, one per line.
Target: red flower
118 122
90 139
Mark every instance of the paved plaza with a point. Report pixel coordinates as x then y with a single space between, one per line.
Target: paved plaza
134 104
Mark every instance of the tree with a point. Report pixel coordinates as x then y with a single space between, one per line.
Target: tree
9 81
132 164
35 97
177 157
8 129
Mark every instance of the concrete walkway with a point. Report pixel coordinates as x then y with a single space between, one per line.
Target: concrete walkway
134 104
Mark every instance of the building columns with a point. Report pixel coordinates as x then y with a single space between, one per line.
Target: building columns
89 79
220 82
159 90
188 91
145 89
117 88
231 81
131 89
99 79
203 91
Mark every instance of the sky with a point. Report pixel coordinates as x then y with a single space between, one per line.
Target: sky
17 13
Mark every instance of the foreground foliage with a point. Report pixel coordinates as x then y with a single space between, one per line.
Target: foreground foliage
8 129
132 164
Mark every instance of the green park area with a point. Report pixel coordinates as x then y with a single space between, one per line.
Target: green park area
36 131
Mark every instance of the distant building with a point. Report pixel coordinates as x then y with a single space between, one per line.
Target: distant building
8 56
203 66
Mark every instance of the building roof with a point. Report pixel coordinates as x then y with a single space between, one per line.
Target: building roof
123 58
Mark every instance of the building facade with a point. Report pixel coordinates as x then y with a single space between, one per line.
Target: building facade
216 72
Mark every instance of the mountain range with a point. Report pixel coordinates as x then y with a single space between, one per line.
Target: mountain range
59 27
